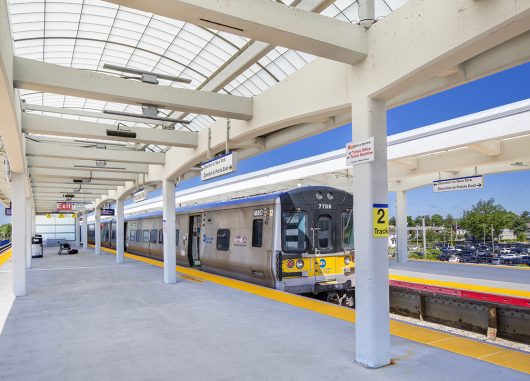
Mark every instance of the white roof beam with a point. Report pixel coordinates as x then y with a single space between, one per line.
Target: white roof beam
68 187
489 148
70 152
513 150
269 22
46 172
92 114
69 181
9 104
508 54
439 36
85 165
55 126
408 162
40 76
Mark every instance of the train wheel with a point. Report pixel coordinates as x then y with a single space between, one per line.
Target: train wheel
347 299
333 297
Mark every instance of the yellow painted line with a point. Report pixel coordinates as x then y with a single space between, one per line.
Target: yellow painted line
4 257
527 268
507 358
463 286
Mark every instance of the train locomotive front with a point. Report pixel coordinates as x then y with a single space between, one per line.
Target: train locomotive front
314 244
299 241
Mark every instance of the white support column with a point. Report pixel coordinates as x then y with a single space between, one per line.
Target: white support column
29 220
84 231
77 233
401 227
168 225
120 231
18 233
372 327
97 231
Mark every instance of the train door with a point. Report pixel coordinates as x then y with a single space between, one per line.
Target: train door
194 241
322 243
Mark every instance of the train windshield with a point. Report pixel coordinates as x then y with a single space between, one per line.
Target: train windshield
294 231
324 232
347 230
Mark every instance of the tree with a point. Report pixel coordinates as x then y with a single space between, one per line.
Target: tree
5 231
392 221
437 220
526 216
485 215
410 221
449 220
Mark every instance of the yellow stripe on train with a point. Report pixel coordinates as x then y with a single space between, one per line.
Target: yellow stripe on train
317 266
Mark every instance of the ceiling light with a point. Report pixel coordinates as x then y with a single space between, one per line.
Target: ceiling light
140 116
122 134
147 76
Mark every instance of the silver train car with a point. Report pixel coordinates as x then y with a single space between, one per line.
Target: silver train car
299 241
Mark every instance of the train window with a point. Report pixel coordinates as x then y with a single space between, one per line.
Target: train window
153 236
113 235
177 234
160 236
294 231
138 235
257 233
324 232
347 230
132 236
146 236
223 239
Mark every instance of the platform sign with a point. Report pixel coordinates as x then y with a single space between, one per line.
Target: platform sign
107 212
81 207
380 216
220 166
65 206
458 184
360 152
8 211
141 195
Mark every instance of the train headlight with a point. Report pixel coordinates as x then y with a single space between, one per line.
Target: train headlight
299 264
329 195
290 264
318 195
347 261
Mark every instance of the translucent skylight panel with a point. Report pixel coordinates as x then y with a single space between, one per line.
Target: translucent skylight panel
234 39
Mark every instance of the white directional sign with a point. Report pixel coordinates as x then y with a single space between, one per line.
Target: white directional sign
140 195
360 152
457 184
221 165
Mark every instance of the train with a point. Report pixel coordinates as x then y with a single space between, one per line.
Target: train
299 241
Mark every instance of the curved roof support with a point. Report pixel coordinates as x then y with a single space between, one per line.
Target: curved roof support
9 105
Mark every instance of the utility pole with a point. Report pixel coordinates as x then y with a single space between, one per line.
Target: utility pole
492 241
424 238
451 239
417 233
484 226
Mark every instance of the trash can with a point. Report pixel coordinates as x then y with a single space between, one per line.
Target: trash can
37 250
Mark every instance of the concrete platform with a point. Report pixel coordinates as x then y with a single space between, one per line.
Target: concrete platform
86 318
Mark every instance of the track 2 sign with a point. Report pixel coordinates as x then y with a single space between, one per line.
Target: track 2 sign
380 213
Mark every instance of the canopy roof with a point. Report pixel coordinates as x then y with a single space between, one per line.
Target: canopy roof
86 34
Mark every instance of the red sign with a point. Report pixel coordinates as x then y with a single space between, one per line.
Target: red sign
65 206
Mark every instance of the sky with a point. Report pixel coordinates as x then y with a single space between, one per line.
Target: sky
510 190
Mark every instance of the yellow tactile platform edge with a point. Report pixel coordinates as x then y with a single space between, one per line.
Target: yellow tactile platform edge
497 355
4 257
